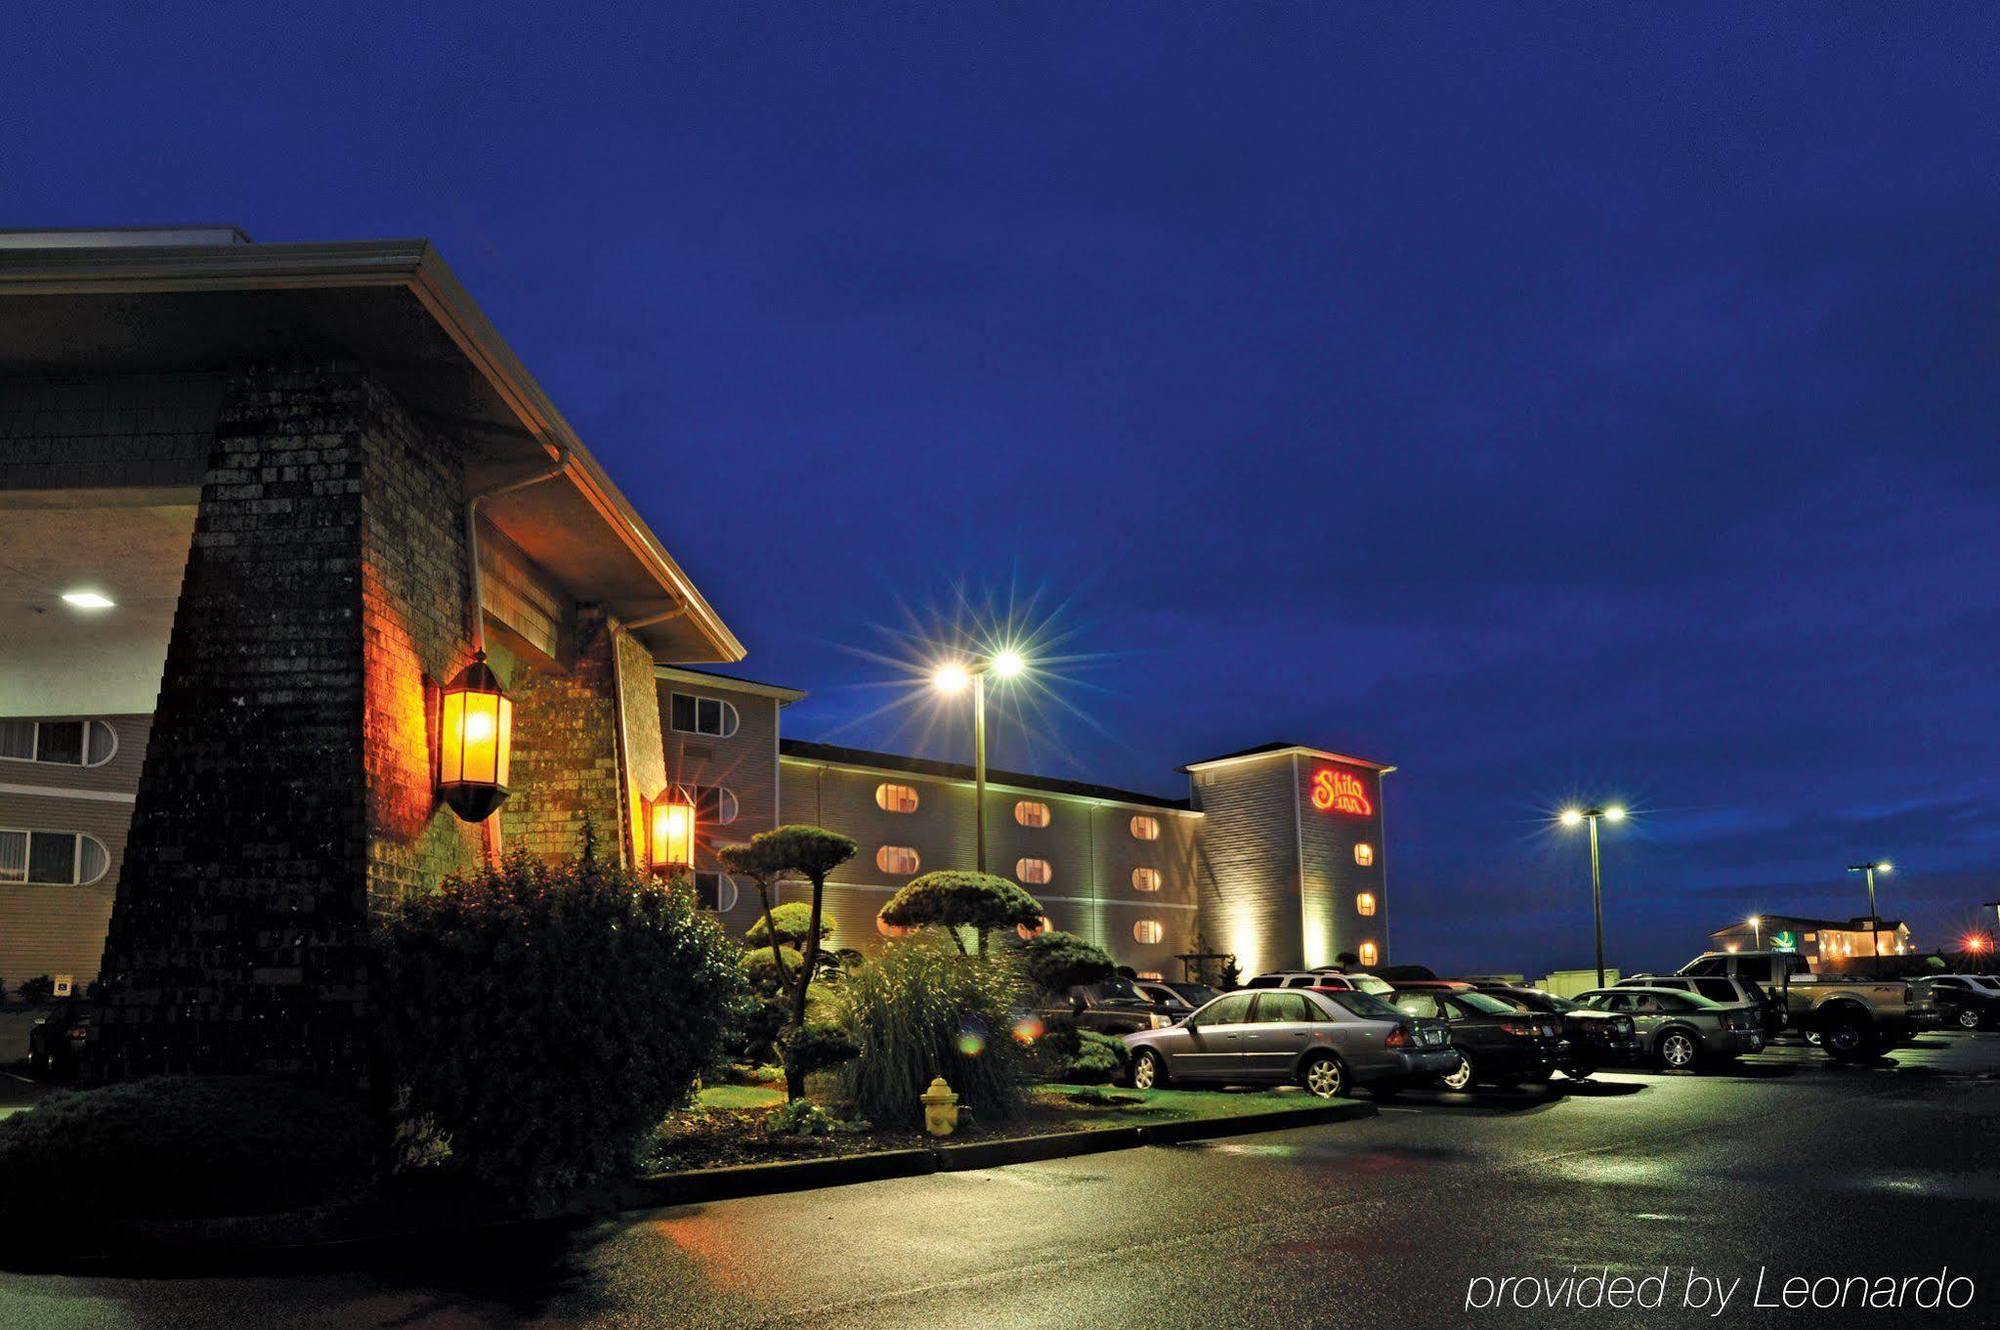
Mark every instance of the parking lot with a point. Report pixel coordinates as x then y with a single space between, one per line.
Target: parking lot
1786 1164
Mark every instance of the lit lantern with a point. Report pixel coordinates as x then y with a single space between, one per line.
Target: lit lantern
672 832
475 735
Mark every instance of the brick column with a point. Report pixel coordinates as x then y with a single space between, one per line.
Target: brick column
566 750
287 784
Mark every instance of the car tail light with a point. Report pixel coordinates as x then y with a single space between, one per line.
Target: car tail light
1520 1028
1398 1038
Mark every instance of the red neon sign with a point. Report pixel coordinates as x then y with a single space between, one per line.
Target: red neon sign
1336 791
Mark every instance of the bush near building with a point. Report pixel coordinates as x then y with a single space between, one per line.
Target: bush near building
38 990
1057 962
545 1017
181 1147
790 922
952 899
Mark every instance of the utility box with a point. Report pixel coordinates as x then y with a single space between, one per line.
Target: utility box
1568 983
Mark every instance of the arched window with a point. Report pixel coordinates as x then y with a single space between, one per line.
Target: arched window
896 798
52 858
898 859
1145 879
1365 903
703 715
714 805
1149 930
1146 828
1031 814
1369 955
715 891
1364 853
64 743
1033 872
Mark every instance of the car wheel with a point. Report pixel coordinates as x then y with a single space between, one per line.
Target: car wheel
1148 1071
1323 1076
1459 1079
1968 1019
1677 1051
1846 1039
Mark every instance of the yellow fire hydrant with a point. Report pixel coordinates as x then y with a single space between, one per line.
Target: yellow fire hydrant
940 1108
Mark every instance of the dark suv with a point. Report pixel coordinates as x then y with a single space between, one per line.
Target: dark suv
60 1037
1497 1042
1590 1038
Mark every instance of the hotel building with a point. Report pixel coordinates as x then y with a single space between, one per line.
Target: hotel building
249 497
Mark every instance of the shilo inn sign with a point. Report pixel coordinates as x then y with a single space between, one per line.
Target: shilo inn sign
1694 1290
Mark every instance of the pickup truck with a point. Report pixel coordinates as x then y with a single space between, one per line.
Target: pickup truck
1854 1016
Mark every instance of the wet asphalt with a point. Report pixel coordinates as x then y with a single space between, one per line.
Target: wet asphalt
1786 1166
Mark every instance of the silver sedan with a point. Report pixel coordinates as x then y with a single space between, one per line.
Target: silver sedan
1325 1041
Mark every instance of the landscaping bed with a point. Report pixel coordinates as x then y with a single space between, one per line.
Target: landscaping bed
726 1126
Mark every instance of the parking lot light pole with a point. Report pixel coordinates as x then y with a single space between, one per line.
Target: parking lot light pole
1578 816
1756 932
1874 920
954 678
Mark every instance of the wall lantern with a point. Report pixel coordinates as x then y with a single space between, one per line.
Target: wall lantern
670 832
475 736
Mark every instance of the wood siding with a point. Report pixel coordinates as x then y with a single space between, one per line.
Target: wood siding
745 764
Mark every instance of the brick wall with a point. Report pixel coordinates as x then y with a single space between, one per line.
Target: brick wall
566 750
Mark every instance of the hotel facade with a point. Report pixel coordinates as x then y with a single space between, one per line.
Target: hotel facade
250 496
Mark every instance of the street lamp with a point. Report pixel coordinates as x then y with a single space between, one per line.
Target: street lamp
1874 922
1756 922
955 677
1572 817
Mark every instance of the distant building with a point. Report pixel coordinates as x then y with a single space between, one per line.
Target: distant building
1823 942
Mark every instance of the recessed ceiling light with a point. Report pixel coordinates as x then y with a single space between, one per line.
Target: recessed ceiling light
88 600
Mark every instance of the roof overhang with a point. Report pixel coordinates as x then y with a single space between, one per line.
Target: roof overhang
723 683
394 306
1288 750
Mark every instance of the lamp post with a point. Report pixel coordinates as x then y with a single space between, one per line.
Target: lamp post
1874 922
1756 922
1574 817
955 677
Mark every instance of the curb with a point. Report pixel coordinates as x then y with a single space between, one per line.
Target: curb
215 1246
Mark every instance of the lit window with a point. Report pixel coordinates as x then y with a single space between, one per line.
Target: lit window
1031 814
1145 879
896 798
1149 930
1365 903
897 859
1033 872
1364 853
52 858
1369 955
67 743
703 715
715 891
1146 828
714 805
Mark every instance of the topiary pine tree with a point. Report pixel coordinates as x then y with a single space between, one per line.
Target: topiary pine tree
954 899
811 853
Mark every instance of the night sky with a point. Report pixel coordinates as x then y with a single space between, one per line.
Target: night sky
1550 408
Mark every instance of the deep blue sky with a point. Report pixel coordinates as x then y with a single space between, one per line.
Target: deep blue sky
1548 406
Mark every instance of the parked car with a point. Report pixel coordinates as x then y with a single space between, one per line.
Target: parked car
1851 1017
1326 1041
1329 980
1729 990
1680 1031
1590 1038
1967 1001
60 1037
1177 997
1497 1042
1115 1006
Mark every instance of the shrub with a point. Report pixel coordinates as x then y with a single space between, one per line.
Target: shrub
1079 1057
39 989
815 1047
919 1009
1058 962
791 921
800 1117
181 1146
546 1017
762 971
954 899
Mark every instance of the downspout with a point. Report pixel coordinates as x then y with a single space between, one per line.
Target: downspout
490 828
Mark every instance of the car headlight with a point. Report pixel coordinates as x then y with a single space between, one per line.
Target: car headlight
1159 1022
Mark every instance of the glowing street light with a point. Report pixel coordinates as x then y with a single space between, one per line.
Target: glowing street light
1574 817
1874 924
1756 922
953 677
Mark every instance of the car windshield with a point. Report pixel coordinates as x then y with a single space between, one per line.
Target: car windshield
1194 994
1361 1004
1116 989
1485 1002
1369 983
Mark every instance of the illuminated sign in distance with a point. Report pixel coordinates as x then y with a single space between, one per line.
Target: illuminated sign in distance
1337 791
